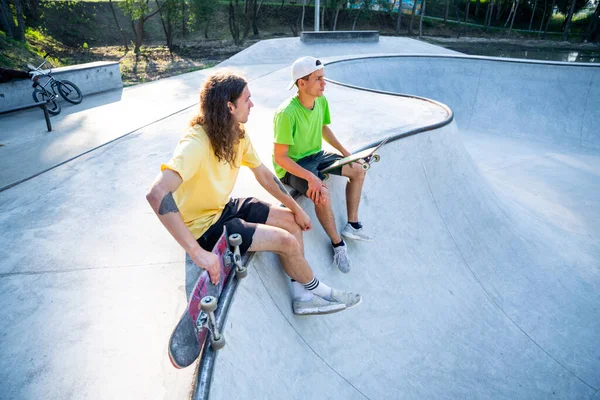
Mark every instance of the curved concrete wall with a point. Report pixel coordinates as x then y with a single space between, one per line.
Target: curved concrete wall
555 102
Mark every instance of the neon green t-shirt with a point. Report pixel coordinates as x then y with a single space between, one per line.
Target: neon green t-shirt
207 182
300 128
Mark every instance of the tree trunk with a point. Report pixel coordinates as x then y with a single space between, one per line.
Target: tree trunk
399 18
206 26
7 22
477 5
234 26
447 11
165 30
255 18
423 4
549 18
138 31
458 20
565 35
19 32
510 14
593 25
467 11
337 13
323 19
412 17
356 18
487 14
183 27
532 14
513 18
112 8
247 18
493 6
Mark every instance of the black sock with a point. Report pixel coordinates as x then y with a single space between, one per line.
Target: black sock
339 244
355 225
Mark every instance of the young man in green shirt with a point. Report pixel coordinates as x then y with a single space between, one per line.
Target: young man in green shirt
191 197
301 124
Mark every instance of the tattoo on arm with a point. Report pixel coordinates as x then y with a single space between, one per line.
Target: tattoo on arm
168 205
278 182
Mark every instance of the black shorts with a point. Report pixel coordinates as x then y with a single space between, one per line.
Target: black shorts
313 163
239 216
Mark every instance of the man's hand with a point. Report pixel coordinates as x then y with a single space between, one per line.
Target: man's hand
208 261
303 220
314 188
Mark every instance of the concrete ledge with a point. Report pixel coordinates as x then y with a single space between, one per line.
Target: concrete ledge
340 36
90 78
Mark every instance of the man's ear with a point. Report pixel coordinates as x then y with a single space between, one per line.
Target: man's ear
231 106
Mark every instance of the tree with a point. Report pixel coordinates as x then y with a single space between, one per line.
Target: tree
234 23
533 13
421 20
513 17
412 16
568 22
549 18
447 12
591 32
467 12
399 18
139 11
169 12
112 9
7 21
203 12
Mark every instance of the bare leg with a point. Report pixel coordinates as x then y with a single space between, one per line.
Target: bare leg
353 189
285 244
325 216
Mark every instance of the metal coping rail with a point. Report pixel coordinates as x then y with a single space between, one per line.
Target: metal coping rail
201 387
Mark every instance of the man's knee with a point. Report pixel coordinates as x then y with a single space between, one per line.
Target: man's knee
358 173
288 243
325 199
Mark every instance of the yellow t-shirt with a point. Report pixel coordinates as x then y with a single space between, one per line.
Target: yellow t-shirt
207 182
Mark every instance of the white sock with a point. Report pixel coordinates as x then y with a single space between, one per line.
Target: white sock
299 292
318 288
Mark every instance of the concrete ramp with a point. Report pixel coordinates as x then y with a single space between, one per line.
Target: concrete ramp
465 294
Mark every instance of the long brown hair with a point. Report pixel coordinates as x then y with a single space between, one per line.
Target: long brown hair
222 128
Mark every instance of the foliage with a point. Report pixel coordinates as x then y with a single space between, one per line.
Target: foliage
202 12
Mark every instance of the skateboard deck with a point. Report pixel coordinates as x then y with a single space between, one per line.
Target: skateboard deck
367 157
192 331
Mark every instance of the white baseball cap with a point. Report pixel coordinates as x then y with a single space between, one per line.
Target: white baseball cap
304 66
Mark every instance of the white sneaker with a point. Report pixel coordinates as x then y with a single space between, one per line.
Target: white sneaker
317 305
341 259
350 299
357 234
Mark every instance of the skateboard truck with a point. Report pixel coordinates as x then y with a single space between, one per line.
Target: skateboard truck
208 304
241 271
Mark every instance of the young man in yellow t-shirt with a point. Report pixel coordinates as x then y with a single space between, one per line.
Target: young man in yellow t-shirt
191 197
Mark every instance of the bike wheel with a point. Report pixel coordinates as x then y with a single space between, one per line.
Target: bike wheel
41 96
69 91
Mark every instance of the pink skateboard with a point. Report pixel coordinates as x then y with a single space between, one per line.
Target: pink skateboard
189 336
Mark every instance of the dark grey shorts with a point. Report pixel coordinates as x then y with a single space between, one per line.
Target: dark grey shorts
313 163
239 216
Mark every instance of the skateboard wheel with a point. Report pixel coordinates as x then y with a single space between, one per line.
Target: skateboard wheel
325 176
217 344
366 166
235 239
208 304
376 158
241 273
